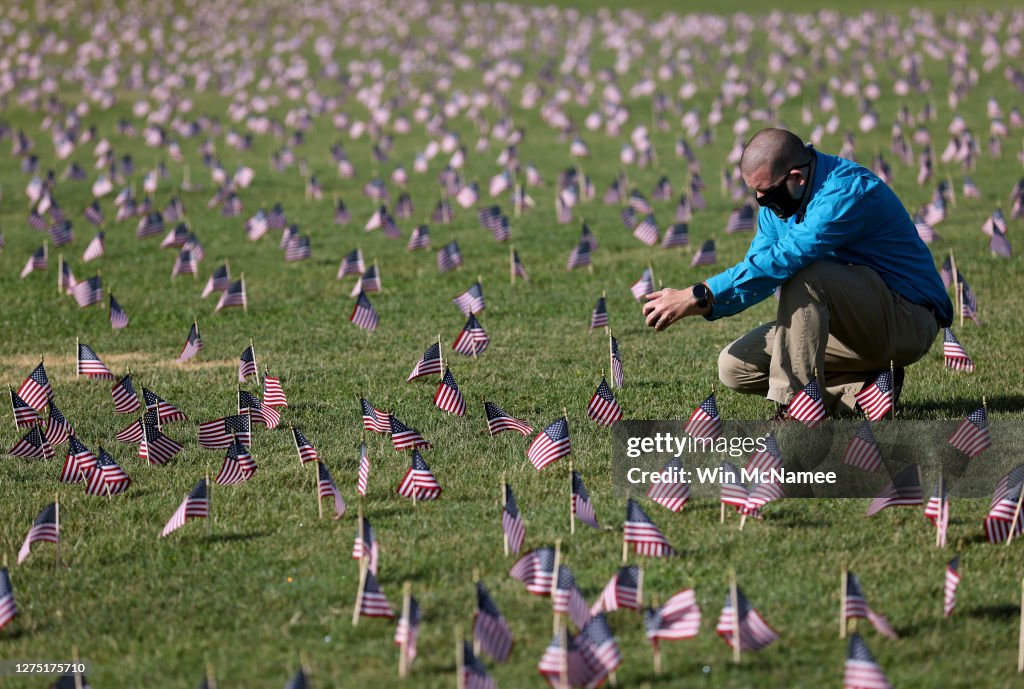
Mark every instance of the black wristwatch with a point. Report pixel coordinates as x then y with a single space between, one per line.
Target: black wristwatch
701 293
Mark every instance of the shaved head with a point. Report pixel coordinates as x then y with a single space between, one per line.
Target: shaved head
772 151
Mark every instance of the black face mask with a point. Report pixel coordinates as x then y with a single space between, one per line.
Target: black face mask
778 199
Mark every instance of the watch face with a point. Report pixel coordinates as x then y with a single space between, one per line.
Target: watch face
700 291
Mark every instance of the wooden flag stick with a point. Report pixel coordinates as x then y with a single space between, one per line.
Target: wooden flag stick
403 651
476 582
209 502
504 534
316 491
942 508
363 564
735 598
563 671
60 273
78 373
295 441
254 364
79 683
640 585
572 512
1016 516
15 418
656 646
460 659
512 262
842 600
554 582
211 678
245 296
611 355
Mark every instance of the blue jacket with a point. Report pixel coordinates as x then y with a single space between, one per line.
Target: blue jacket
852 218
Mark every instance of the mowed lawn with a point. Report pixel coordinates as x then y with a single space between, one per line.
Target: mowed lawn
271 584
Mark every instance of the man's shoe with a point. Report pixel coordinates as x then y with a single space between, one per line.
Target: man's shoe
781 413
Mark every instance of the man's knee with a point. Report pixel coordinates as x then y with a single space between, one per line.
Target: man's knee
731 370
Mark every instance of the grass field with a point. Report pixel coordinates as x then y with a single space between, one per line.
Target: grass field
273 582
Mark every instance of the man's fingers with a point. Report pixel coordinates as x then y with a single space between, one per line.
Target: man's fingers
653 316
653 295
648 307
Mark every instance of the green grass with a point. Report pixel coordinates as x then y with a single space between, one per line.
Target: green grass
273 581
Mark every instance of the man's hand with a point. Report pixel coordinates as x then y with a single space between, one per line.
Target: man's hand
666 306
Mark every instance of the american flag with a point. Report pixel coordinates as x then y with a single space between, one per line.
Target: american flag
599 649
365 545
968 299
419 239
807 405
298 249
512 521
61 234
645 285
638 202
94 214
257 225
307 453
581 505
676 235
586 235
472 300
449 397
706 255
602 408
760 495
731 490
672 495
903 489
78 461
863 451
250 404
36 389
999 521
861 671
34 445
36 221
489 626
132 433
247 364
125 399
24 414
341 215
408 629
352 264
559 662
273 393
768 458
419 482
972 435
428 364
754 632
741 219
90 365
613 346
599 317
363 313
364 470
499 420
374 419
234 295
106 477
219 280
373 602
118 317
567 599
517 266
157 447
950 586
150 225
37 261
8 609
44 529
196 505
238 466
219 433
621 591
925 231
276 219
442 212
474 674
449 257
175 237
647 539
536 570
298 681
472 339
165 411
955 355
679 618
705 421
856 606
96 248
936 509
184 264
550 444
193 344
405 438
876 399
647 231
58 428
995 224
65 279
88 292
327 489
579 257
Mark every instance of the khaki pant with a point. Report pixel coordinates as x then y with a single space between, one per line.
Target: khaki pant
840 320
